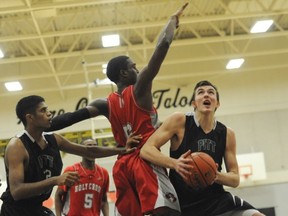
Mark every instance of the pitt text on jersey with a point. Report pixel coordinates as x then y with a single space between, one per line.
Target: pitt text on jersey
206 145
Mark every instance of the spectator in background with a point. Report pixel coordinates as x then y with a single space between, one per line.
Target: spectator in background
88 196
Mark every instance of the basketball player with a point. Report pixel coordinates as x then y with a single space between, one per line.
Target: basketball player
88 196
141 188
33 163
200 132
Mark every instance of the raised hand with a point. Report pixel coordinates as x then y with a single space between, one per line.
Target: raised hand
179 12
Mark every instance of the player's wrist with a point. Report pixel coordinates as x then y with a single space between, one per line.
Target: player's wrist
120 150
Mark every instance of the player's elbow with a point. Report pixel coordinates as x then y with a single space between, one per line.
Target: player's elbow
236 181
234 185
144 153
16 195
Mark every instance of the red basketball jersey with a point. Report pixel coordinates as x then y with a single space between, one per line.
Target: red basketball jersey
132 175
84 198
126 116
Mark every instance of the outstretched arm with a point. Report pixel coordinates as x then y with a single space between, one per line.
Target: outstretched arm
168 31
94 108
143 85
89 151
67 119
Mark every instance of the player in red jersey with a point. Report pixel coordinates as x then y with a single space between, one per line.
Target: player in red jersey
88 196
141 188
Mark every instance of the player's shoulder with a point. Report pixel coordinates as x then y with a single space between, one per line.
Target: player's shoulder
224 126
15 141
101 167
14 145
178 118
230 131
72 168
174 121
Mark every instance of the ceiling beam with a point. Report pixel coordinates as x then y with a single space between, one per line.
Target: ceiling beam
176 43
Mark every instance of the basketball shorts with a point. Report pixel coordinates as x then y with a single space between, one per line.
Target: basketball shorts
221 203
141 187
16 210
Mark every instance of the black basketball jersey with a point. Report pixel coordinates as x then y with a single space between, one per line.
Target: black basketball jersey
195 139
212 200
43 164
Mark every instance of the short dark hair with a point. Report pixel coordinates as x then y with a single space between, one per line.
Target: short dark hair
115 65
27 105
205 83
88 139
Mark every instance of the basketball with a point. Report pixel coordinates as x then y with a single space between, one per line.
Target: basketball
204 171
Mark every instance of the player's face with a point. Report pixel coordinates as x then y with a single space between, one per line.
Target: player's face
132 71
42 117
90 142
206 99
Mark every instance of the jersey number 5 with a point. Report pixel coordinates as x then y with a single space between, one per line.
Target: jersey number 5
88 200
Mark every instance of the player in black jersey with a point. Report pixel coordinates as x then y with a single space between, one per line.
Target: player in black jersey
200 132
33 163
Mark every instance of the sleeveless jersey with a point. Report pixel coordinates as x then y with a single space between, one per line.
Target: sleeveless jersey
84 198
197 140
43 164
126 116
213 200
131 173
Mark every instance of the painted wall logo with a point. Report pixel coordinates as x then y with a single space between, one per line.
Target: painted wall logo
163 98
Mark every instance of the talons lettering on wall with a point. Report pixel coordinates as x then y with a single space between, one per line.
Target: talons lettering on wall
161 99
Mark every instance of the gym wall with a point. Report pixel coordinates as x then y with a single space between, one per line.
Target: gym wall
255 106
